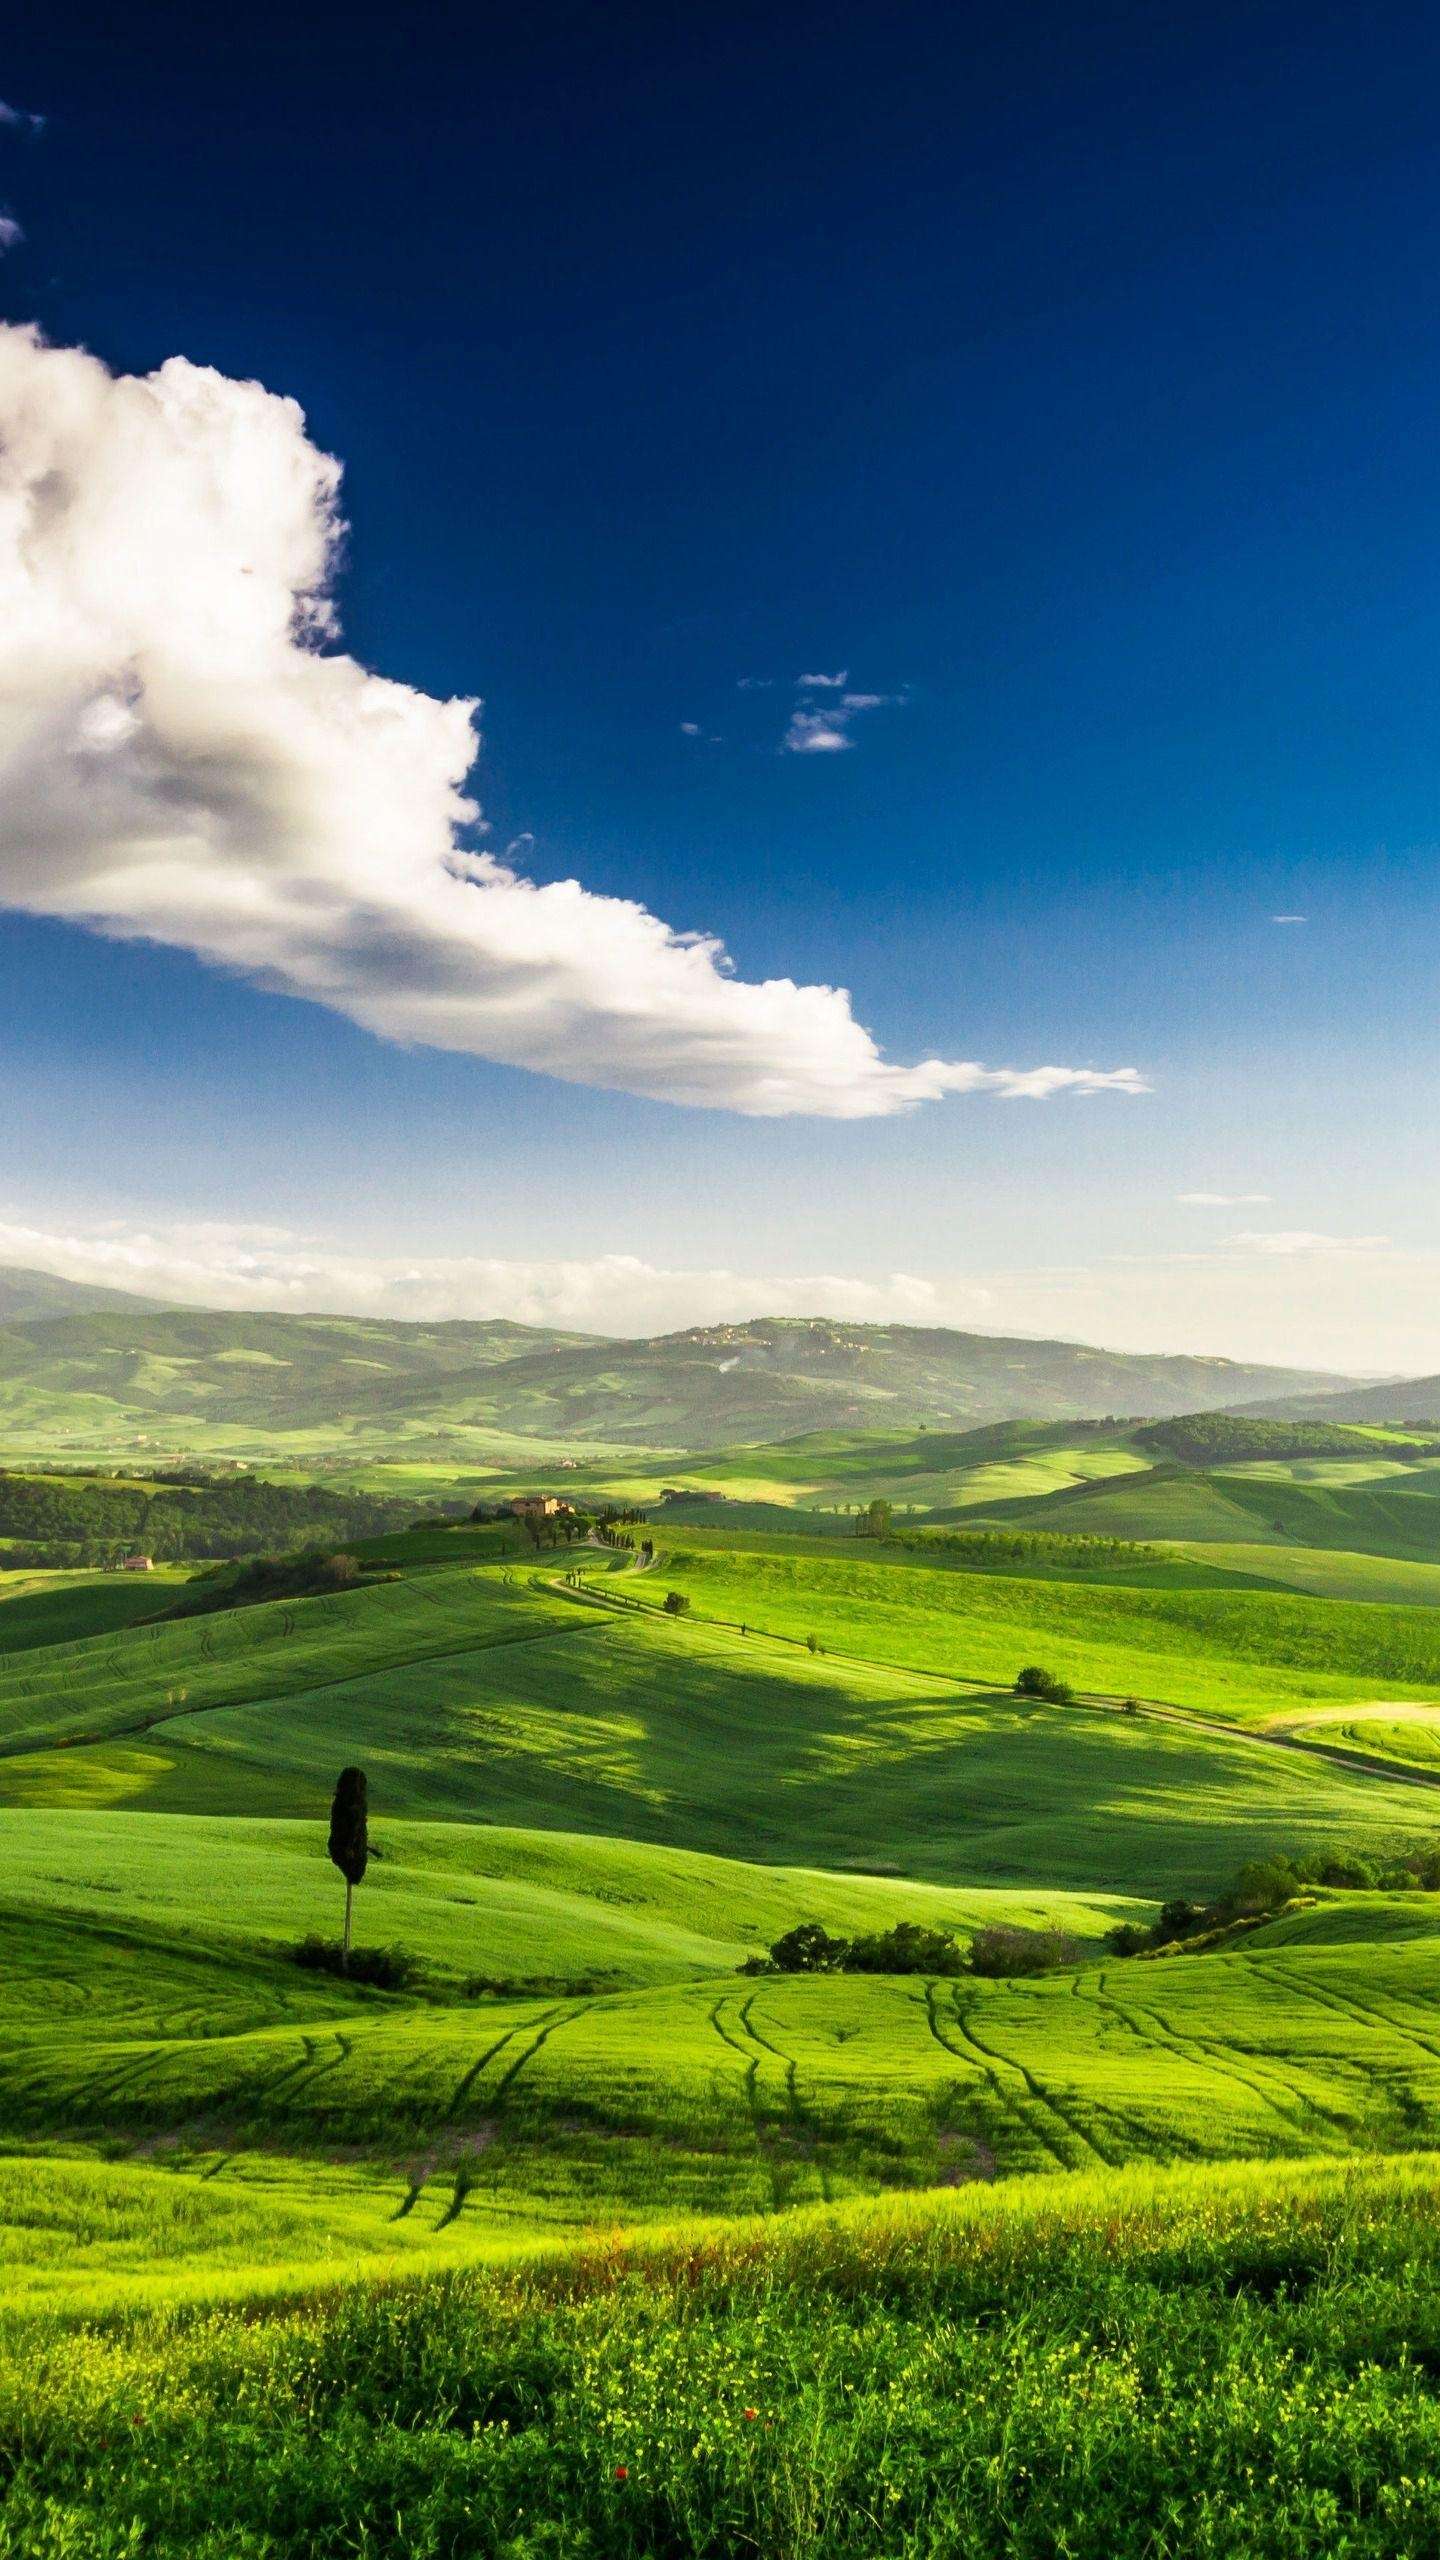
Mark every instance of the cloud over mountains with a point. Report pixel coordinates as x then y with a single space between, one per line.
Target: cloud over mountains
187 755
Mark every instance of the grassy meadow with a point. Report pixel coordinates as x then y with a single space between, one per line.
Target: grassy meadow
1108 2365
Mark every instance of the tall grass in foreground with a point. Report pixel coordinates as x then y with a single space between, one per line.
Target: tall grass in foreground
1191 2364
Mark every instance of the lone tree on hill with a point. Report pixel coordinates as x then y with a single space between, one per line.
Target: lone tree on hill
349 1839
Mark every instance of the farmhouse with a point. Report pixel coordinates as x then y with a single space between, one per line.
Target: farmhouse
538 1506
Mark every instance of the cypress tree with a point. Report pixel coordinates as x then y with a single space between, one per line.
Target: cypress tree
349 1838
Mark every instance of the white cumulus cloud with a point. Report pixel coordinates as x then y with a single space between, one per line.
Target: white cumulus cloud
187 756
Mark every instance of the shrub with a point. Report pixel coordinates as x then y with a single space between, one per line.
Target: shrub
1000 1950
677 1604
380 1968
1349 1872
1035 1682
907 1948
1263 1885
807 1949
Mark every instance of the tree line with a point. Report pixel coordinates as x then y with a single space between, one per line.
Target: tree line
97 1521
1209 1439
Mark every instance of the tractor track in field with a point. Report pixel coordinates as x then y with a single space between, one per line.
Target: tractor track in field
803 2123
1259 2077
546 2022
467 2080
1089 2141
553 2019
992 2064
750 2088
1152 2040
313 2065
107 2085
971 2060
1347 2004
803 2126
723 2031
464 2180
748 2023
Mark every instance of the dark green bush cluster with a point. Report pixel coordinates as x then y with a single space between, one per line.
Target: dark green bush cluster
1035 1682
1210 1439
911 1947
259 1578
379 1968
907 1948
1002 1951
1265 1885
1031 1546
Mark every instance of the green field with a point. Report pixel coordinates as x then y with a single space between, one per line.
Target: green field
587 1814
1240 1653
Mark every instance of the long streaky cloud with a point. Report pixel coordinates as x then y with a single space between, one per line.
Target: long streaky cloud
188 757
234 1266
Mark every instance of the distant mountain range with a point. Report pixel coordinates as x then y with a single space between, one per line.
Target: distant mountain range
92 1368
1393 1400
26 1294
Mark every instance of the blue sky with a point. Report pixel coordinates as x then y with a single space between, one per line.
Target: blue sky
1066 379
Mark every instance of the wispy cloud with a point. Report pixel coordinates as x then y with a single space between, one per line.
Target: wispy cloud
1303 1240
1222 1199
1289 919
11 234
20 119
816 733
821 727
188 757
222 1263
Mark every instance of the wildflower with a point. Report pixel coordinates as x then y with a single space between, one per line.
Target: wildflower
622 2471
752 2413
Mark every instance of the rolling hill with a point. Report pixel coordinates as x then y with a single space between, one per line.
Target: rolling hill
1394 1400
189 1380
26 1294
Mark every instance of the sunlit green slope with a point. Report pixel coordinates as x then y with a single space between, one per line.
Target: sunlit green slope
525 1705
